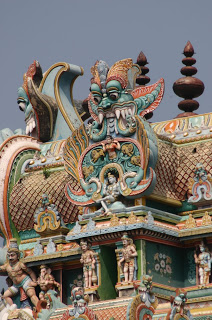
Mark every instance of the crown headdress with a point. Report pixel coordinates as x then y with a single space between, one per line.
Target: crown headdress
99 72
119 72
13 246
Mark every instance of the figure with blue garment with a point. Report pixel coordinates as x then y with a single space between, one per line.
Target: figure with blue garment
203 260
23 278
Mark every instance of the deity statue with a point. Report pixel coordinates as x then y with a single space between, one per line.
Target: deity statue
179 309
89 262
23 278
111 192
38 249
203 260
110 146
128 259
46 281
50 248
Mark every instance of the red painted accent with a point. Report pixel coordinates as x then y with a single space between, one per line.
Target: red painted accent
97 144
76 202
142 91
157 240
6 183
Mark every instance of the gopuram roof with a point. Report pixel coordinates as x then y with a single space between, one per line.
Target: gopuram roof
105 214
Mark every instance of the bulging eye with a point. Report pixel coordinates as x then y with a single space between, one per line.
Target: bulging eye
113 95
22 105
97 99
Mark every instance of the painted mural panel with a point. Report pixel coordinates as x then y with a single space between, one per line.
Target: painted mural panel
165 264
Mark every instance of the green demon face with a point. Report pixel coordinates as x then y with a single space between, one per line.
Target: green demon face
26 107
115 102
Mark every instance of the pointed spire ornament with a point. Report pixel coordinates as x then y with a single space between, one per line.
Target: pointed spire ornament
188 87
142 79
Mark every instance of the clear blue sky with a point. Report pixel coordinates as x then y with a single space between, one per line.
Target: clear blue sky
82 31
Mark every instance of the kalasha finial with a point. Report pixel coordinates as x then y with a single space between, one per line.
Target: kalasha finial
188 87
142 79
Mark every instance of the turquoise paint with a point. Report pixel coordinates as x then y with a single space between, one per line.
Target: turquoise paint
176 277
61 129
189 268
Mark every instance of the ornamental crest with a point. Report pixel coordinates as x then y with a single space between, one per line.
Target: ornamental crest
200 186
113 156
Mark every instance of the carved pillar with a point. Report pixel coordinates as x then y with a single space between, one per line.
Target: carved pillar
142 265
119 246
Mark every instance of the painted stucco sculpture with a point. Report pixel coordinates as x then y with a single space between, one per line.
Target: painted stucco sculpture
80 310
40 110
5 308
52 303
117 140
47 219
23 278
50 114
200 186
128 263
203 261
89 264
166 229
179 310
46 281
47 102
143 305
8 312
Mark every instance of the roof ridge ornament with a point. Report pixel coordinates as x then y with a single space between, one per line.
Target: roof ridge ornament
188 87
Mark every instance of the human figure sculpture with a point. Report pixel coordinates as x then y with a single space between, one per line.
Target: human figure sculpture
110 192
46 281
23 278
50 248
38 249
128 258
110 146
89 262
203 260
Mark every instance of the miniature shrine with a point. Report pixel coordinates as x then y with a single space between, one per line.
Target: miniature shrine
104 214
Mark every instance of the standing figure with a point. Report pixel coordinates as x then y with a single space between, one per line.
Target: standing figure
110 146
128 258
46 281
23 278
88 261
203 260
